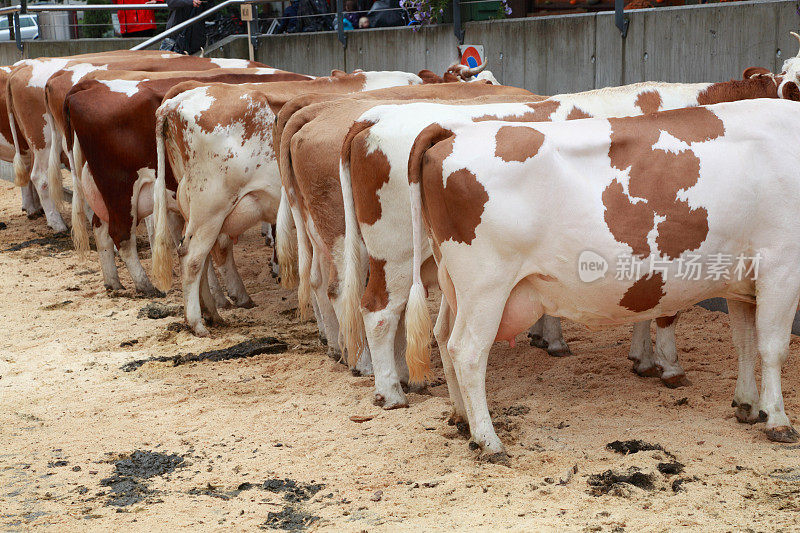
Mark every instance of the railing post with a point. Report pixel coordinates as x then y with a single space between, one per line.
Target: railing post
17 35
253 29
458 29
620 19
340 22
12 33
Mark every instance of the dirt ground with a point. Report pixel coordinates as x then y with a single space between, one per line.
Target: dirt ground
268 441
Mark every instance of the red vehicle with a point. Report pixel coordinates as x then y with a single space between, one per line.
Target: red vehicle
135 22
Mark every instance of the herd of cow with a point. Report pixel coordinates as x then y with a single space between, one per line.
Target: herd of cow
383 185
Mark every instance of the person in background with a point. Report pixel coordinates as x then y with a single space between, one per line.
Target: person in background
351 12
136 22
385 13
191 39
363 23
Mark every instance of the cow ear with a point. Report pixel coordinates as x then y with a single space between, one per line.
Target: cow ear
790 91
336 73
449 77
754 71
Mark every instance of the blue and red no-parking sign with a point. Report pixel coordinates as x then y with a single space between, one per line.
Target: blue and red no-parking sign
471 55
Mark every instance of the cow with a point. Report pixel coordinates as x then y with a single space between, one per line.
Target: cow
30 198
310 140
657 188
374 183
227 132
110 130
25 92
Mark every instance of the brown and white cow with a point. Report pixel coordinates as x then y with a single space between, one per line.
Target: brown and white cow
309 144
112 121
25 94
374 184
227 132
654 188
30 198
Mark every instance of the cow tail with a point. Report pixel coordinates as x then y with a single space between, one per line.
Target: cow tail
54 161
352 323
419 328
286 243
303 242
80 235
304 258
22 175
162 257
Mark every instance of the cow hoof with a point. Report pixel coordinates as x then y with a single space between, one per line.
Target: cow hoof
762 416
745 413
498 458
782 434
323 340
389 405
223 303
355 372
150 292
336 355
247 304
538 341
561 352
675 382
201 331
652 372
113 287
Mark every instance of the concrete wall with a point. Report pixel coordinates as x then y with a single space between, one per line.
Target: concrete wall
10 54
547 55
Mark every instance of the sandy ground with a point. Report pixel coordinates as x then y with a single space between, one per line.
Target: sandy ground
220 430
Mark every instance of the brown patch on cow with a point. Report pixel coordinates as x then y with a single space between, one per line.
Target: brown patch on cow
248 113
542 110
731 91
369 171
644 294
376 296
578 113
665 321
454 211
656 177
648 102
628 222
790 91
515 143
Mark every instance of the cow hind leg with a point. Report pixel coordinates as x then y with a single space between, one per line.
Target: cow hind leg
105 251
326 310
39 179
536 334
320 324
641 352
218 293
775 312
666 354
129 254
230 275
554 337
207 303
194 252
742 317
469 347
441 331
381 328
30 201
